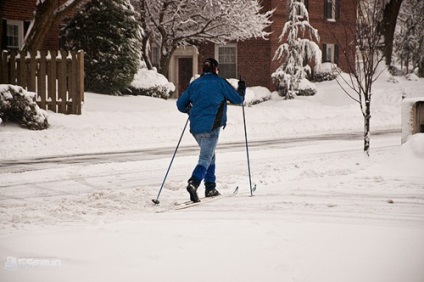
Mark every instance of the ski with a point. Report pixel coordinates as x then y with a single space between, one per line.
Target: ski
189 204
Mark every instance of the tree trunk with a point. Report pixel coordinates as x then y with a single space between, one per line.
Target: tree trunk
145 53
367 128
141 5
388 27
421 68
42 22
164 65
1 24
164 62
47 13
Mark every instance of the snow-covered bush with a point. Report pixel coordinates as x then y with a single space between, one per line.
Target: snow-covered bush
108 32
412 77
254 95
18 105
301 88
325 71
151 83
306 88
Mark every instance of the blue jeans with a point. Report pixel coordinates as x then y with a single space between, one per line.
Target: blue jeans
205 168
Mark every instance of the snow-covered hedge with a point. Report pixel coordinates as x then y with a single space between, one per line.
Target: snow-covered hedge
150 83
306 88
254 95
18 105
325 71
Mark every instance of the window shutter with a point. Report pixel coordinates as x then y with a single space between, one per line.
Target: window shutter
26 27
326 9
337 9
4 35
336 54
324 53
306 3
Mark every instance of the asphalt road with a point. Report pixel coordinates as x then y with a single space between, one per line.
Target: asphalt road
34 164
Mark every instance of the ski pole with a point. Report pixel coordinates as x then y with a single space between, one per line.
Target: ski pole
156 201
247 150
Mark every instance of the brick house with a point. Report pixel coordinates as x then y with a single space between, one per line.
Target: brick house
252 59
16 16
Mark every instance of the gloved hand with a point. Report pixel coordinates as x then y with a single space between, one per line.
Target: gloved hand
241 89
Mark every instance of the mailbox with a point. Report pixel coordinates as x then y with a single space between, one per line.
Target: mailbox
412 117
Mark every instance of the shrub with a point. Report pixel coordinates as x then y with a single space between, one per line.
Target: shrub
151 83
325 71
254 94
18 105
306 88
108 32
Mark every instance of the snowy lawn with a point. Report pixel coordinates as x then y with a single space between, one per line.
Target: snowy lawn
323 211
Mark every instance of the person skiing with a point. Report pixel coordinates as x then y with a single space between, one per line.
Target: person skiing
205 101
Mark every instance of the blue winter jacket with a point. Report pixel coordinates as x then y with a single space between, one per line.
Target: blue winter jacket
205 100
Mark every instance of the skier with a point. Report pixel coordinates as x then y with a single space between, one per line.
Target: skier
205 100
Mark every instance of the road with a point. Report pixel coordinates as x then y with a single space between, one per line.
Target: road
35 164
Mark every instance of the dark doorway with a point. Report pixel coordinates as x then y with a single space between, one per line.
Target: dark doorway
185 72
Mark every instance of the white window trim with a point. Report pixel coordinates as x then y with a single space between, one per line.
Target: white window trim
20 25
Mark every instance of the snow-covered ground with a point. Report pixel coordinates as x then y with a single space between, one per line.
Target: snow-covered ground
323 211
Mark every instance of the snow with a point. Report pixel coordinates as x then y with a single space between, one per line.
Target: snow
145 78
70 210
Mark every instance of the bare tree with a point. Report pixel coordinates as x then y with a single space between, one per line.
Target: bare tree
364 54
170 24
47 13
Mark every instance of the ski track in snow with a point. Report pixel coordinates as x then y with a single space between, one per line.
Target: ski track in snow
291 182
322 212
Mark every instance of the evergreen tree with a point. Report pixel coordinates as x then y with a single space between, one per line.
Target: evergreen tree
109 34
295 49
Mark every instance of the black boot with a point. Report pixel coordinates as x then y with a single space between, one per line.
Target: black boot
192 190
210 190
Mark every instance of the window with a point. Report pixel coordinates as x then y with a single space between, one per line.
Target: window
227 58
14 34
330 53
299 11
330 10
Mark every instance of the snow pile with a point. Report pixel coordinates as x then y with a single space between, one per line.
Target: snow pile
414 150
410 158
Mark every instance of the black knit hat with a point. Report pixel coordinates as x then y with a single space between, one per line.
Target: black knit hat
210 65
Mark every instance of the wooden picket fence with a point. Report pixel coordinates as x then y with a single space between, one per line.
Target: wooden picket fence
57 77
